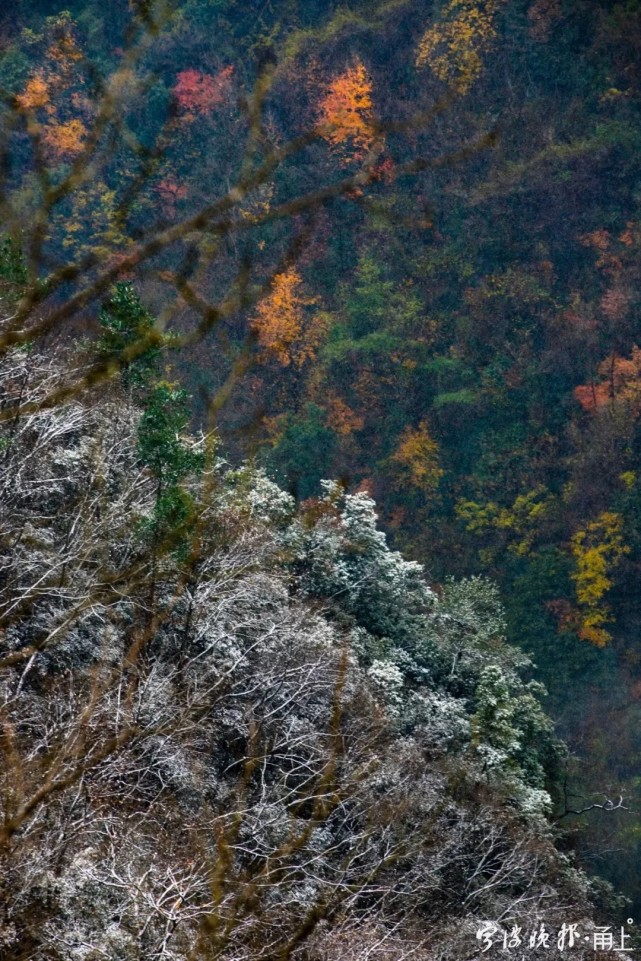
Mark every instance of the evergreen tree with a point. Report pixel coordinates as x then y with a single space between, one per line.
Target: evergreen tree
170 459
129 340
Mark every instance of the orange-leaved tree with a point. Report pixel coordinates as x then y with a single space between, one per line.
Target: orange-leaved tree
619 380
282 323
345 113
54 97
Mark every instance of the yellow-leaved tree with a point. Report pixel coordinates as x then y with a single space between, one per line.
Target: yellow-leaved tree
282 322
597 550
454 47
417 457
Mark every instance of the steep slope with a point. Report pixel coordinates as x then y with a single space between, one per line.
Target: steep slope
236 729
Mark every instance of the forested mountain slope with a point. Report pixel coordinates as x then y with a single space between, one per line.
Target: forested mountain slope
235 729
394 243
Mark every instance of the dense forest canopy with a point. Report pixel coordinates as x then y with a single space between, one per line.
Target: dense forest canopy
250 247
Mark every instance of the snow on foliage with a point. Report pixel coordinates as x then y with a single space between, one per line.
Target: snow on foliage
222 727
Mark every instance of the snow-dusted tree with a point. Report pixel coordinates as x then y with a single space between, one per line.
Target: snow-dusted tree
254 733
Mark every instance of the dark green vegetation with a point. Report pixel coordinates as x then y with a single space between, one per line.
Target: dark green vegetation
459 338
